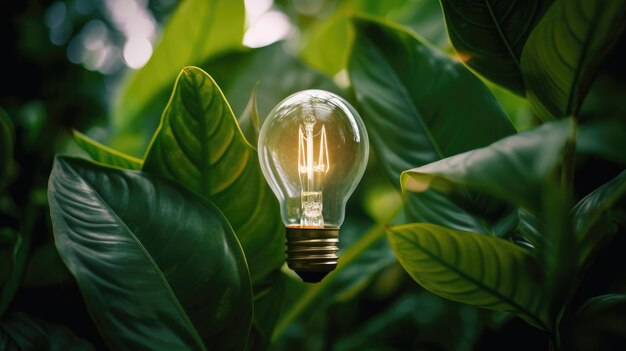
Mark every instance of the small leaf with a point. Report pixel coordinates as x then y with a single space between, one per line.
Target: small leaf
150 254
197 30
200 145
562 54
19 332
470 268
591 220
489 35
104 154
513 169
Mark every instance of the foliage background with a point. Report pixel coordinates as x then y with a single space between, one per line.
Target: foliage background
62 73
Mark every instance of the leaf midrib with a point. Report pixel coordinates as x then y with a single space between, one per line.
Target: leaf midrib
147 255
502 36
581 58
475 282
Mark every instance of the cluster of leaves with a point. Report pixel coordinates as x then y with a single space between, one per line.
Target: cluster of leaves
181 248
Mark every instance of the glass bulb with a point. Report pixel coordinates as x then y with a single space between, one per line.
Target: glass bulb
313 150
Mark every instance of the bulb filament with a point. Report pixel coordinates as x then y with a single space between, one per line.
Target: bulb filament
312 173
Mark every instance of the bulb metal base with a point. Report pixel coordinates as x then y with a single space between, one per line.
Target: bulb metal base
312 252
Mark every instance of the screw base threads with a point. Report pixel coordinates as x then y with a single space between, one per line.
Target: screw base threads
312 252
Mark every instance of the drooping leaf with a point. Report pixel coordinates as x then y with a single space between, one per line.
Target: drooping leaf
513 169
419 105
249 121
104 154
19 332
200 145
591 217
197 30
470 268
150 254
561 55
489 35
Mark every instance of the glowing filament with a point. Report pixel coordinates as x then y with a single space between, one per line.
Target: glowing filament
311 172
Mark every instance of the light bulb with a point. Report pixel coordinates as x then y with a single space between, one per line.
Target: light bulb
313 150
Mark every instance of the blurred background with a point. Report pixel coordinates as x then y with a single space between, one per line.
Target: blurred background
66 65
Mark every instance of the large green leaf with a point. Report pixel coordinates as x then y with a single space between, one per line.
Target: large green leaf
561 55
150 254
514 169
591 217
104 154
200 145
197 30
489 35
419 105
470 268
19 332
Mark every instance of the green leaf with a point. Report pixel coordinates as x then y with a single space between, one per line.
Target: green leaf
150 254
6 148
562 54
591 217
19 332
104 154
514 169
419 105
197 30
489 35
249 120
200 145
470 268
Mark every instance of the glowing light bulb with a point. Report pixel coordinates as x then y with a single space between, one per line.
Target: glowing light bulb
313 150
